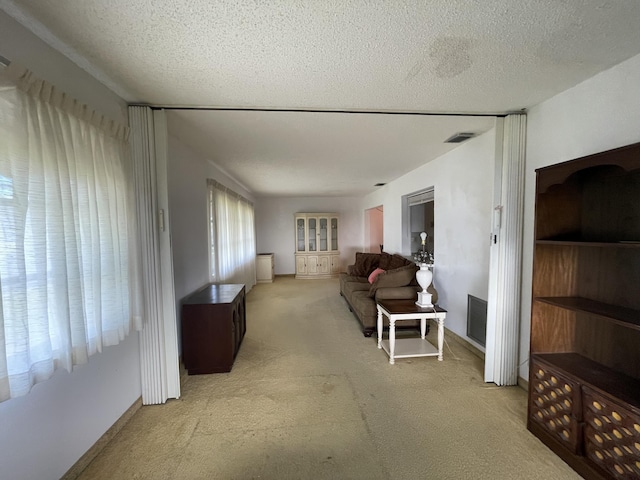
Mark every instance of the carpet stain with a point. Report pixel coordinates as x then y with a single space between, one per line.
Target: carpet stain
327 388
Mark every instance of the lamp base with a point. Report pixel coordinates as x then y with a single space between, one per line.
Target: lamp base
424 299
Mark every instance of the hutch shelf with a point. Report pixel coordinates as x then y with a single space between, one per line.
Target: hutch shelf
584 384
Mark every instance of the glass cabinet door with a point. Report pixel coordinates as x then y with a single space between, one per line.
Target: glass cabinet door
312 234
323 234
300 241
334 234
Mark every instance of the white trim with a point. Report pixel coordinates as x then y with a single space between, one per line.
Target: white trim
421 197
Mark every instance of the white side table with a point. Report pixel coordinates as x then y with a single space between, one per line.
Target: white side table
396 310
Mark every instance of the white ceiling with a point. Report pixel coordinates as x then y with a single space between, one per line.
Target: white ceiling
329 154
440 56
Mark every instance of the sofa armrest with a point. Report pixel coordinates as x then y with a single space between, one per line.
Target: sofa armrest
397 293
351 270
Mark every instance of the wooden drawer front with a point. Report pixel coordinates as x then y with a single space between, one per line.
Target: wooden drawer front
612 436
555 404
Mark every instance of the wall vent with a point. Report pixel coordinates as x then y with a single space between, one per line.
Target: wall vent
477 319
460 137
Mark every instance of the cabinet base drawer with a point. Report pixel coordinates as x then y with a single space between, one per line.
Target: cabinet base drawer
611 435
554 404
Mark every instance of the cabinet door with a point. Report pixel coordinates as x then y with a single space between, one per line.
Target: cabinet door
335 264
312 232
264 268
301 235
334 234
312 264
612 435
301 265
324 265
555 404
323 234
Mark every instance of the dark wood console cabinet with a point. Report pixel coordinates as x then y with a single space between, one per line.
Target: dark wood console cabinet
213 326
584 382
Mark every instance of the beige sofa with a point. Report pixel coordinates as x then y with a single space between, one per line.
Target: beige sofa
395 279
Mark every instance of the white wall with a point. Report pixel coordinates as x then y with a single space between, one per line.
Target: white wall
463 188
188 173
45 432
276 234
599 114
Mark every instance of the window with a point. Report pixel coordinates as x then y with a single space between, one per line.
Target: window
65 227
232 236
213 266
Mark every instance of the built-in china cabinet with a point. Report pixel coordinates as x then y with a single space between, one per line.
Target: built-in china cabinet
317 254
584 385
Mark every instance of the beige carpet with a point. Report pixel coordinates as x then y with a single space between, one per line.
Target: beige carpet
310 397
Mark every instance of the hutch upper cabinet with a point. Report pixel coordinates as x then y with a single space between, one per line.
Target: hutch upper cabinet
584 383
316 241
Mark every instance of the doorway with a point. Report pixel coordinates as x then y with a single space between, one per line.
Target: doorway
421 219
418 215
374 230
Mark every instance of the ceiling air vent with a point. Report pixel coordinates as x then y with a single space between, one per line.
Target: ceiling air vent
460 137
379 184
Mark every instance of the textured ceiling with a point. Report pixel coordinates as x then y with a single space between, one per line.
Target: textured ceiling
318 153
440 56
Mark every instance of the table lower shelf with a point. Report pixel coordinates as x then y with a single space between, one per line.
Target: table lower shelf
411 347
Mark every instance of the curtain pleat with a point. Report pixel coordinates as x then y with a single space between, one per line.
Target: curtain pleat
64 234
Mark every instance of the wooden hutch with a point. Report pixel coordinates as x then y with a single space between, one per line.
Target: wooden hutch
584 384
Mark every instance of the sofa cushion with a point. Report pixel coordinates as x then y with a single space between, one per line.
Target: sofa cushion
397 261
365 264
350 287
345 278
398 277
397 293
385 260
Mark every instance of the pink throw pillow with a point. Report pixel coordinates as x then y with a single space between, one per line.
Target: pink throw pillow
374 274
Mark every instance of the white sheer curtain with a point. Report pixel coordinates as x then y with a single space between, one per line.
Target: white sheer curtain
232 235
64 233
